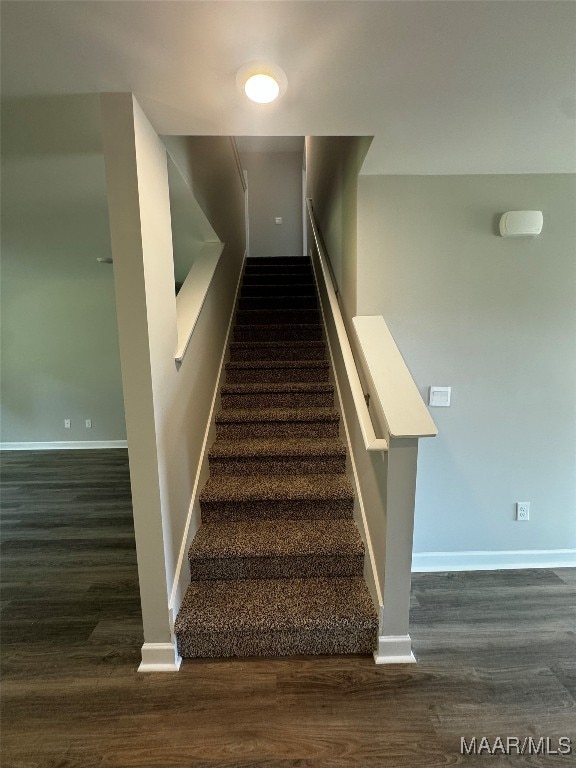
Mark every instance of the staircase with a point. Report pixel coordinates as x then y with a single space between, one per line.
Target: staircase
277 563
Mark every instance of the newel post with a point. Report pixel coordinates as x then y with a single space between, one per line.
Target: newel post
394 644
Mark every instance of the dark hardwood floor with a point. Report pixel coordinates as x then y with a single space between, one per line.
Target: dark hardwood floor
496 650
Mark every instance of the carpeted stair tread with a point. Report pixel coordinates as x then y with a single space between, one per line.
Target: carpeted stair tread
250 365
279 447
277 316
278 275
277 456
266 538
277 487
242 415
280 371
276 617
267 387
278 289
239 423
278 302
278 278
276 549
275 260
276 604
278 332
309 394
268 269
244 351
347 639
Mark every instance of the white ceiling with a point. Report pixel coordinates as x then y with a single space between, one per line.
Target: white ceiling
444 87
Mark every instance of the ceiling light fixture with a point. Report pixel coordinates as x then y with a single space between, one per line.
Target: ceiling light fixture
262 88
261 81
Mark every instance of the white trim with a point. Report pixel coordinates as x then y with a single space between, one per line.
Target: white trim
247 213
182 556
357 487
160 657
238 161
390 381
64 445
192 295
371 441
426 562
394 649
304 210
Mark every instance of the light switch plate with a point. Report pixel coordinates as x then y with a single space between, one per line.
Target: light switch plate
440 396
278 220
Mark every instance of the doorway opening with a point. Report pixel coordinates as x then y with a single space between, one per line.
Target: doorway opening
274 168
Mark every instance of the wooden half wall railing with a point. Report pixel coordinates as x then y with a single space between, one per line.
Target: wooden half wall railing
384 417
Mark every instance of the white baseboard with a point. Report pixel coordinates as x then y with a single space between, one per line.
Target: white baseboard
64 445
394 649
427 562
160 657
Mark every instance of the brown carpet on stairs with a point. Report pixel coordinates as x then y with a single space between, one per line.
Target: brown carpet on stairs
277 563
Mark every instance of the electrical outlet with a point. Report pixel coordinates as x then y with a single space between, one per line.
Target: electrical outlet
88 423
67 424
522 510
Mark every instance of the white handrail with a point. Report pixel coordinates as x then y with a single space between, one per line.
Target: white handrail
238 162
371 441
192 295
390 381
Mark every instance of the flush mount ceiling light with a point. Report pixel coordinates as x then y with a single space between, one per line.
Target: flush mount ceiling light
262 89
261 81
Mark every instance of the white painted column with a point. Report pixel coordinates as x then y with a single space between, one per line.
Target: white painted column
139 211
394 644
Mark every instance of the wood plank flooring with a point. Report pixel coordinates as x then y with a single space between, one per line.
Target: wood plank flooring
496 650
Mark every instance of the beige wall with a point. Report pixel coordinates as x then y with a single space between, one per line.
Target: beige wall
208 165
274 189
60 355
332 167
495 319
190 227
167 405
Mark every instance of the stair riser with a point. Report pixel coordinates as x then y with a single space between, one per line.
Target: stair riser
295 289
276 260
278 334
294 567
282 351
282 509
278 466
247 430
277 375
276 643
271 269
278 278
279 400
278 302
